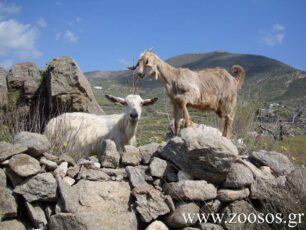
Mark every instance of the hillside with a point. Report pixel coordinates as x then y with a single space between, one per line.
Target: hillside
266 77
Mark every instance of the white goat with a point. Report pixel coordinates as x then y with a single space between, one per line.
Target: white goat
83 133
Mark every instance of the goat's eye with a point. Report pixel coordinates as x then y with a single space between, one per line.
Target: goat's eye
147 62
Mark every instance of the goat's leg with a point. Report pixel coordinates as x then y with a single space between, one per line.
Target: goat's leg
227 131
177 119
186 116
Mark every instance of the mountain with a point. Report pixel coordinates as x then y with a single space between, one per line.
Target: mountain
268 78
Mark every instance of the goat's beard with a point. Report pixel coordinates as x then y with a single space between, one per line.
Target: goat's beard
154 74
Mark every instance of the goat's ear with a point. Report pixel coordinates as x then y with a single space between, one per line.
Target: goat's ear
117 100
149 101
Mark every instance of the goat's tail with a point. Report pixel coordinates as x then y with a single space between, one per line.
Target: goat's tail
239 74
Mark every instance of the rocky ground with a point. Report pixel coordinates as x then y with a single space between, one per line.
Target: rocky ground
149 187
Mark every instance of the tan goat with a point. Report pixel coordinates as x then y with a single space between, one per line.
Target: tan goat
209 89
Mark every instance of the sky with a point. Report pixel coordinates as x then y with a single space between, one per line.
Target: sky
110 35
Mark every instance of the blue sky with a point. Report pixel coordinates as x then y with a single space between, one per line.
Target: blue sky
109 35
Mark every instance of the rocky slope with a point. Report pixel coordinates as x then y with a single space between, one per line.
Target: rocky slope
149 187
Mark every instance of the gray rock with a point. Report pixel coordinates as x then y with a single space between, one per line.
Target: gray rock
131 156
13 177
191 190
36 143
3 89
163 169
279 163
109 157
8 150
244 208
157 225
24 165
2 178
68 88
296 182
24 77
150 203
66 221
148 151
135 176
41 187
211 206
37 215
191 228
92 174
66 157
201 153
69 180
73 171
176 219
12 224
227 195
48 163
99 204
8 205
117 173
281 181
51 157
61 170
210 226
239 176
69 198
181 175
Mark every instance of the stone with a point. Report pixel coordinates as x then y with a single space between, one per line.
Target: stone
98 203
148 151
157 225
212 206
8 205
24 165
48 163
188 190
210 226
131 156
109 157
158 167
2 178
36 143
13 178
4 163
239 176
12 224
176 219
73 171
61 170
181 175
41 187
150 203
135 176
92 174
296 182
69 198
66 157
68 88
227 195
244 208
278 162
201 153
3 89
69 180
117 173
8 150
281 181
37 215
191 228
51 157
24 77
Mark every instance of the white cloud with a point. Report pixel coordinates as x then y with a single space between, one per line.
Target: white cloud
275 36
18 39
9 8
42 22
75 21
68 36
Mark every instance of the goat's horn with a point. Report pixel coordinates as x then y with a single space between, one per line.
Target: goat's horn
133 67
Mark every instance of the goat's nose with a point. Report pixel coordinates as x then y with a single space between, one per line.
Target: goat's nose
140 75
134 115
